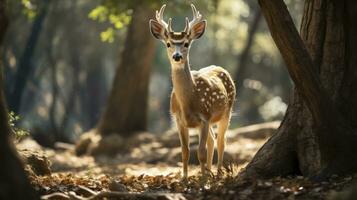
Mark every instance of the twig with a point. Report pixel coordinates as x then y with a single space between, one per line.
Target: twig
129 195
56 195
86 191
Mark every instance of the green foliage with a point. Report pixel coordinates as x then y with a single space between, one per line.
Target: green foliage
118 14
29 9
99 13
108 35
18 132
116 17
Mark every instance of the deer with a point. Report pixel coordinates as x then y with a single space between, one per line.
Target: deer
199 99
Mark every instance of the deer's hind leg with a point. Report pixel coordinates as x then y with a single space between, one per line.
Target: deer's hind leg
221 138
210 148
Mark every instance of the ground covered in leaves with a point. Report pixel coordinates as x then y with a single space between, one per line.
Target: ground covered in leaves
148 166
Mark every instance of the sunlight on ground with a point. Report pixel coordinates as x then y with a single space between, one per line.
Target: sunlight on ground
155 170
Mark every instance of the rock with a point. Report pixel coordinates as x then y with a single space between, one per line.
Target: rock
85 140
117 186
82 146
108 145
37 161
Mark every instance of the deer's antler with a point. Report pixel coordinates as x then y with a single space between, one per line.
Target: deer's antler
197 17
160 18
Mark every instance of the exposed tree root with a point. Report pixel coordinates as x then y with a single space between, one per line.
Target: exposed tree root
111 194
277 157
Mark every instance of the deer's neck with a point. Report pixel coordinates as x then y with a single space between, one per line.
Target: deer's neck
182 81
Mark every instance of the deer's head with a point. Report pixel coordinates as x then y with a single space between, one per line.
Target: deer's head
177 43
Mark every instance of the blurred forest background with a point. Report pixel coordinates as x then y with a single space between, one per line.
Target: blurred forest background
60 61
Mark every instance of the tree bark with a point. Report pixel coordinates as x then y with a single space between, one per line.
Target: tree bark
317 136
126 110
13 181
25 64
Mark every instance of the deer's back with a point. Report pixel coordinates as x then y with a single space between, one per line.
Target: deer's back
215 90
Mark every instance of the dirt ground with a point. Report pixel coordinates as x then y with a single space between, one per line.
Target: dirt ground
148 166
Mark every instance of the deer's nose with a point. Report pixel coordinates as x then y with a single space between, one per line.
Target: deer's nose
177 57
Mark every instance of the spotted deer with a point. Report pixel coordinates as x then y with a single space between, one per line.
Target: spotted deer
199 99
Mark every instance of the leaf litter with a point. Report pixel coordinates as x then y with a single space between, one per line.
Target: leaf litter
76 177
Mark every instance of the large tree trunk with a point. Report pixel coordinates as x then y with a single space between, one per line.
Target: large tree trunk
25 64
13 180
318 134
126 110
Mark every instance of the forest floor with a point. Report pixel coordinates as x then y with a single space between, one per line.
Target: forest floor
151 169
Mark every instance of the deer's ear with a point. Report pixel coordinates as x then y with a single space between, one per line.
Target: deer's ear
198 30
157 30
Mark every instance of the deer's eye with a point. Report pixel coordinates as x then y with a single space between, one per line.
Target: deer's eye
168 45
186 44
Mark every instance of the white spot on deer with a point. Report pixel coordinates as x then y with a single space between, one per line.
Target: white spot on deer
203 99
214 93
199 89
207 89
205 93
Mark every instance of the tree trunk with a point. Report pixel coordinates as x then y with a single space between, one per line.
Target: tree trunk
95 88
317 136
245 55
126 109
25 64
13 181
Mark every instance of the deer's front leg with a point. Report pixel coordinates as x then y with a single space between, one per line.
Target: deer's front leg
202 153
184 139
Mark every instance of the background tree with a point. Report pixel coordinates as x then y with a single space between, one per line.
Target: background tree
318 134
245 55
13 183
127 106
25 67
